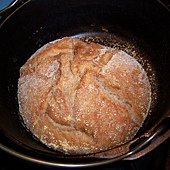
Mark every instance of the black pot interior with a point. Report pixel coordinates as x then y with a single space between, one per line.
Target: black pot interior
145 24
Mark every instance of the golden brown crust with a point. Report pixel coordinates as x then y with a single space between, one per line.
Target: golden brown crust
82 98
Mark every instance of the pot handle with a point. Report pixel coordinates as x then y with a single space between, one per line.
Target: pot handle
158 136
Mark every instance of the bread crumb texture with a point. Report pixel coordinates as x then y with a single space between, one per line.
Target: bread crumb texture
82 98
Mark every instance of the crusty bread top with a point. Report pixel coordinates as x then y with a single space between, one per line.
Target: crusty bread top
82 98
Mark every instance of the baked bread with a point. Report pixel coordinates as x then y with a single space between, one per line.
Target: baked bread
82 98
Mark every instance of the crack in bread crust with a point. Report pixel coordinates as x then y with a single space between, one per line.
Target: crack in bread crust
112 95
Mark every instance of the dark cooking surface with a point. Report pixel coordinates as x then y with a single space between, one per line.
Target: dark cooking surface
159 159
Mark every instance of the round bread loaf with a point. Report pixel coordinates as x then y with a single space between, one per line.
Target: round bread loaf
82 98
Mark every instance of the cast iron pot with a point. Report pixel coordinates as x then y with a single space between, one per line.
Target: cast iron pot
141 26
